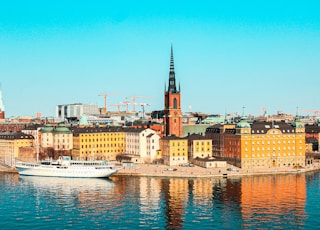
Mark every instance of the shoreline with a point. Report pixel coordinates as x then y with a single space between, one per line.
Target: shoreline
150 170
199 172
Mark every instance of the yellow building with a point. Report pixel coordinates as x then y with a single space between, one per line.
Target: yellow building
174 150
91 143
265 145
11 144
199 146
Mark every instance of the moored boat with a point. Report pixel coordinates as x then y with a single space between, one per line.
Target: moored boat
65 167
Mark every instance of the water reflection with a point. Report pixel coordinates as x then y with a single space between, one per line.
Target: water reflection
273 199
85 194
254 202
248 202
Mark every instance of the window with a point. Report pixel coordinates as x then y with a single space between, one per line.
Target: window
174 103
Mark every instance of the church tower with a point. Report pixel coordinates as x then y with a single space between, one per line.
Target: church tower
172 105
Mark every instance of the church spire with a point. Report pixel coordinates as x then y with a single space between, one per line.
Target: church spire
172 79
171 61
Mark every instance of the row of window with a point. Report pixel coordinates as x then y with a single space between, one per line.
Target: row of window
273 142
274 148
174 144
202 150
104 139
274 155
203 143
102 145
234 142
273 136
104 151
101 134
262 131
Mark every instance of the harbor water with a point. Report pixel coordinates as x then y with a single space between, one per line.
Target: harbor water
288 201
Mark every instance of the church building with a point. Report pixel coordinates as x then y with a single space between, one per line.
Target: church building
172 105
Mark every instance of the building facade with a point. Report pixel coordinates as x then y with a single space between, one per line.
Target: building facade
141 142
265 145
199 146
63 138
313 136
12 144
174 150
172 105
55 141
153 148
94 143
67 111
216 133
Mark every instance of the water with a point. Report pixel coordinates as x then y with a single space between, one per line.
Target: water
252 202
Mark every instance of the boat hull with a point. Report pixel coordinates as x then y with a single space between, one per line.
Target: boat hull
61 171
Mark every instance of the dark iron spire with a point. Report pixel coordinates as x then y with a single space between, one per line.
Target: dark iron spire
171 61
172 79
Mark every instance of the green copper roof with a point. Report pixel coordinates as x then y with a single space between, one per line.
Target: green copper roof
62 129
297 123
83 120
194 129
47 129
243 124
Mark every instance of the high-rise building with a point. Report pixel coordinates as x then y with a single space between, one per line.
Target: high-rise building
75 110
172 105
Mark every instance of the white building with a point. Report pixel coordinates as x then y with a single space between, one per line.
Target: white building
141 143
152 147
75 110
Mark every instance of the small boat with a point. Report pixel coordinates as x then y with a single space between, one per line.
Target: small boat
65 167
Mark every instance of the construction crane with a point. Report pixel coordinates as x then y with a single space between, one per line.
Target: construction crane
143 105
263 111
118 105
126 103
133 98
105 95
315 112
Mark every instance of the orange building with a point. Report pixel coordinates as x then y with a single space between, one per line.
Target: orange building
265 144
172 105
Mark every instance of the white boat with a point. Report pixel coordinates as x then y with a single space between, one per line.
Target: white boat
65 167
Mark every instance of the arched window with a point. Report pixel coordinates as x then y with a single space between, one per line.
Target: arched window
174 103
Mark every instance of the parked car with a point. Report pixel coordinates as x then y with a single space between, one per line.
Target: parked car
171 169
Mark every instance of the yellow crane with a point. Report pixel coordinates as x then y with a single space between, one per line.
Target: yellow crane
133 98
105 95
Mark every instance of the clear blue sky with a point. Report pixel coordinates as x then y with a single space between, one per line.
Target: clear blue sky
228 54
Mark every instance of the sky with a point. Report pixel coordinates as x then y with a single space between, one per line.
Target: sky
228 55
